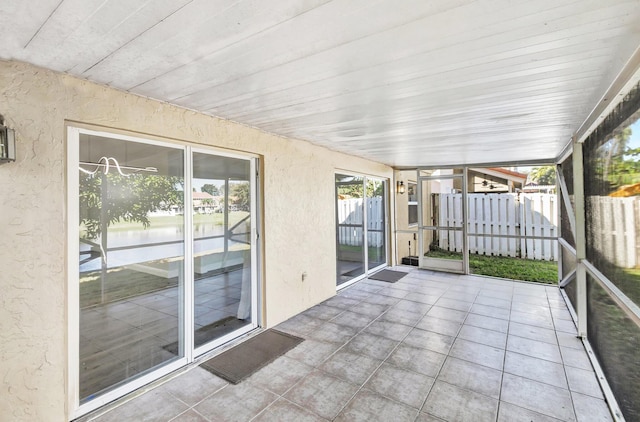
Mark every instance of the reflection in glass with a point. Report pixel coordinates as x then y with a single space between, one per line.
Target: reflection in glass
567 172
350 227
376 223
612 204
222 248
131 260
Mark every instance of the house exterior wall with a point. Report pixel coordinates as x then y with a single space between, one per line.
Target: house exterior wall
298 219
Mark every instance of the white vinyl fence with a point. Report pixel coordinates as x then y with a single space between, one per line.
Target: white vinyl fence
350 214
614 233
493 215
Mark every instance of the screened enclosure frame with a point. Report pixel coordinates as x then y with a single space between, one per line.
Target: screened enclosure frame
575 283
464 229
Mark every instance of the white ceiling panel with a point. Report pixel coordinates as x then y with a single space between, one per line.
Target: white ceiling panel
406 83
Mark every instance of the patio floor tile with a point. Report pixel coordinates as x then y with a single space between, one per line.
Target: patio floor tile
483 336
431 348
448 314
589 409
351 367
323 394
371 345
452 403
368 406
194 385
535 369
429 340
312 352
285 411
418 360
440 326
583 382
490 311
280 375
533 395
510 413
533 332
472 377
190 416
489 323
235 403
481 354
534 348
408 387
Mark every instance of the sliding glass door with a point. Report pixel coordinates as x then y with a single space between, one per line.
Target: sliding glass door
164 254
131 260
222 246
376 223
350 227
360 226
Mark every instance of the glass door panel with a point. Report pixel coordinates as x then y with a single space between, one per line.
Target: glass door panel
222 246
131 278
350 227
376 223
442 220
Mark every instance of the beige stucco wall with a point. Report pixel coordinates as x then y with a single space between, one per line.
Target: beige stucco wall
299 234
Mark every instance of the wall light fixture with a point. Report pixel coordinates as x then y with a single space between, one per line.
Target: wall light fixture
7 143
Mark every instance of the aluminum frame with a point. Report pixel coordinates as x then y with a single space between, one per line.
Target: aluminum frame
186 302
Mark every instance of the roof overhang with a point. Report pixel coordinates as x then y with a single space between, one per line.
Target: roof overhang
415 83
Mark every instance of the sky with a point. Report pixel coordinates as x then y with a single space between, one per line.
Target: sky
634 141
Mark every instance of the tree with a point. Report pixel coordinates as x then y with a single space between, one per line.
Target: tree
210 189
615 149
124 198
240 194
543 176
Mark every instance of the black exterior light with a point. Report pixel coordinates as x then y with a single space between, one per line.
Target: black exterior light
400 187
7 143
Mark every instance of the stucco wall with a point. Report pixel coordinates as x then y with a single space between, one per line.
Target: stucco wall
298 225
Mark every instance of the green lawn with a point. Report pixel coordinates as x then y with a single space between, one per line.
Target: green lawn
505 267
217 219
626 279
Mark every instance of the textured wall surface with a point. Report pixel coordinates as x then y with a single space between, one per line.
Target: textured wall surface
298 225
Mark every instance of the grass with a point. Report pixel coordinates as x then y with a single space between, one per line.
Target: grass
158 221
506 267
626 279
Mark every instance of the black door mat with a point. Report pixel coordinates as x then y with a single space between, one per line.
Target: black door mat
389 276
243 360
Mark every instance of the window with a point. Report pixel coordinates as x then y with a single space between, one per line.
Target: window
412 196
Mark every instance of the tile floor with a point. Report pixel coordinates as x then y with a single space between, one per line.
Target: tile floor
431 347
